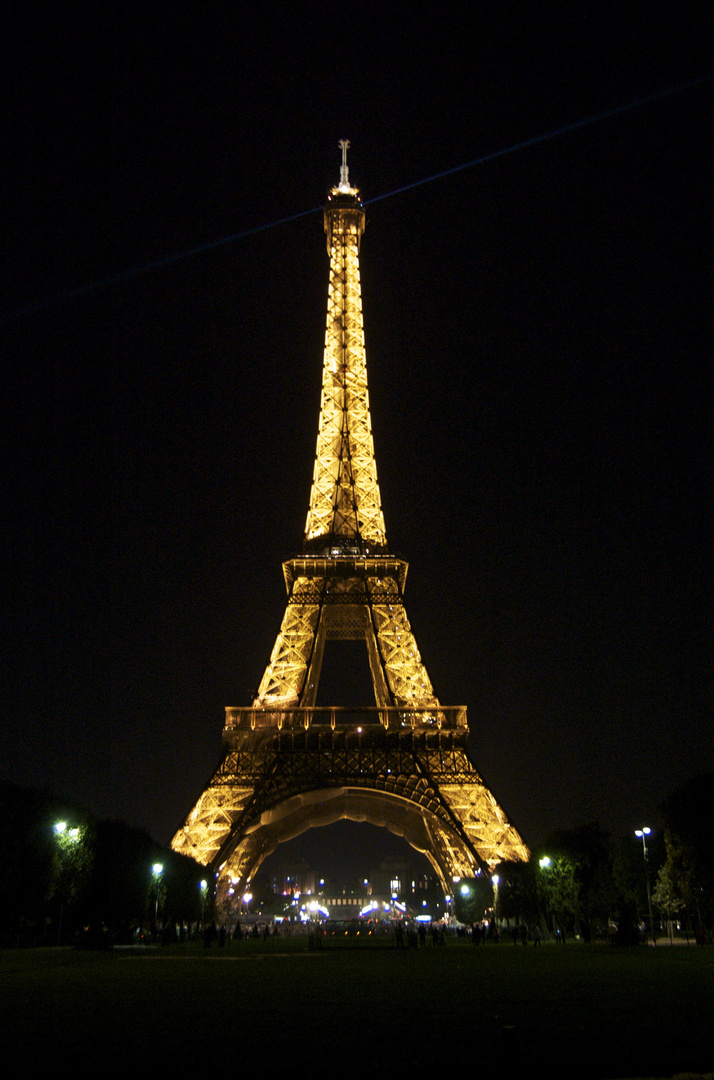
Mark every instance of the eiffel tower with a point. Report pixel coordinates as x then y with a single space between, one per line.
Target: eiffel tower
287 765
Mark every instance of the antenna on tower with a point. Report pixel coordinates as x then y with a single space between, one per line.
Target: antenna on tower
344 171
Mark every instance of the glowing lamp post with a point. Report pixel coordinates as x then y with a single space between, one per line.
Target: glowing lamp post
465 907
544 863
65 837
644 832
157 869
204 889
60 828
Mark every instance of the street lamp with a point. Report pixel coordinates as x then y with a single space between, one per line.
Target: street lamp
204 888
544 863
157 870
65 838
644 832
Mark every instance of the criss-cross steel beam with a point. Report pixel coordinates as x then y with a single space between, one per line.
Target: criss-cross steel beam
404 764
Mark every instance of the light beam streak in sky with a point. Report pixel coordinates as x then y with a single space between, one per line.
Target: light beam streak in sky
158 264
552 134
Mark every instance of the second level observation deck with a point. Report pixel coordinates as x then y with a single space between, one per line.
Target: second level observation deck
353 720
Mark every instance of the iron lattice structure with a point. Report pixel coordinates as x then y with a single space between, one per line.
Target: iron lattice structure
288 766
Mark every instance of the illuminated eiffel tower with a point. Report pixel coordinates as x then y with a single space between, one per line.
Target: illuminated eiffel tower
287 765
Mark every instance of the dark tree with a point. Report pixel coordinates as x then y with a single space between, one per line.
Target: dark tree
473 897
517 894
89 874
588 890
689 828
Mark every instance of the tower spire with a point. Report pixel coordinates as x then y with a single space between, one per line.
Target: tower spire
345 508
344 171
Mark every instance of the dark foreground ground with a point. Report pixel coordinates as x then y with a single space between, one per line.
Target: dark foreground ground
500 1010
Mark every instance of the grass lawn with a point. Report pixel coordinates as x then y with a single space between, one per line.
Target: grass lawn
573 1011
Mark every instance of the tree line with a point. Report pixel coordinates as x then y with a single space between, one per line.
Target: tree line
586 881
67 877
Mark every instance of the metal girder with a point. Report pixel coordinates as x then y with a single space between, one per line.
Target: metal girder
345 500
273 776
399 675
283 771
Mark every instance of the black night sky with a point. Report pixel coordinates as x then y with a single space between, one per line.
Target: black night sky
538 333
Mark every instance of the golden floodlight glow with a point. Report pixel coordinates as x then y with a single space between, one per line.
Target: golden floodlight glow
402 763
345 500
